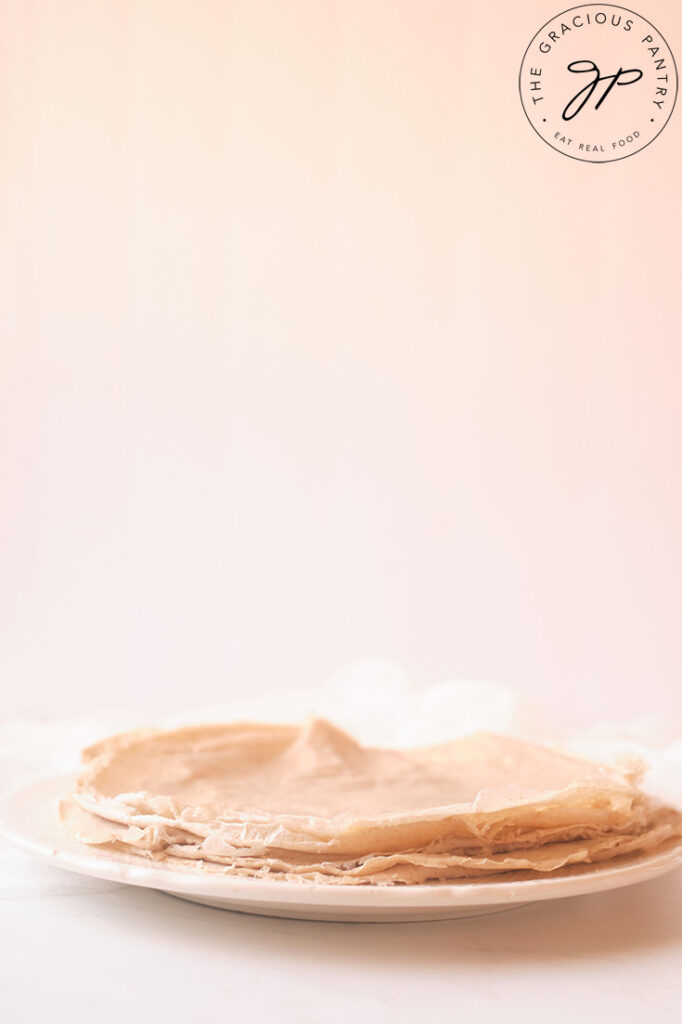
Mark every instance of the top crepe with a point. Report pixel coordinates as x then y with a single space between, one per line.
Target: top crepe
319 771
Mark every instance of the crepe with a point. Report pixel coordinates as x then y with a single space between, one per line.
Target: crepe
310 803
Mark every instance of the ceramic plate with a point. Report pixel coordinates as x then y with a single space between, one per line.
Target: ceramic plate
28 819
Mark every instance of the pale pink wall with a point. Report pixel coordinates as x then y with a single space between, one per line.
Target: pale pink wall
311 349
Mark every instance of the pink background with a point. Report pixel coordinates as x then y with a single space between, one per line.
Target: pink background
312 349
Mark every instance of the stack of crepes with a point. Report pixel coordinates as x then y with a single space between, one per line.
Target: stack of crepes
309 803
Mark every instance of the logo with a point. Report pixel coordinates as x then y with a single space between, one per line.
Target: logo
598 83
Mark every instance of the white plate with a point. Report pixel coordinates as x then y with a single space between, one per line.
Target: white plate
28 819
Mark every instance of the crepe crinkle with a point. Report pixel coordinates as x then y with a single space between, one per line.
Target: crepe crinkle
310 803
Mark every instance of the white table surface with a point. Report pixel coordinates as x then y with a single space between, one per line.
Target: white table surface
80 950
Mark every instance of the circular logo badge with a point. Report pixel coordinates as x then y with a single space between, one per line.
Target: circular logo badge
598 83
